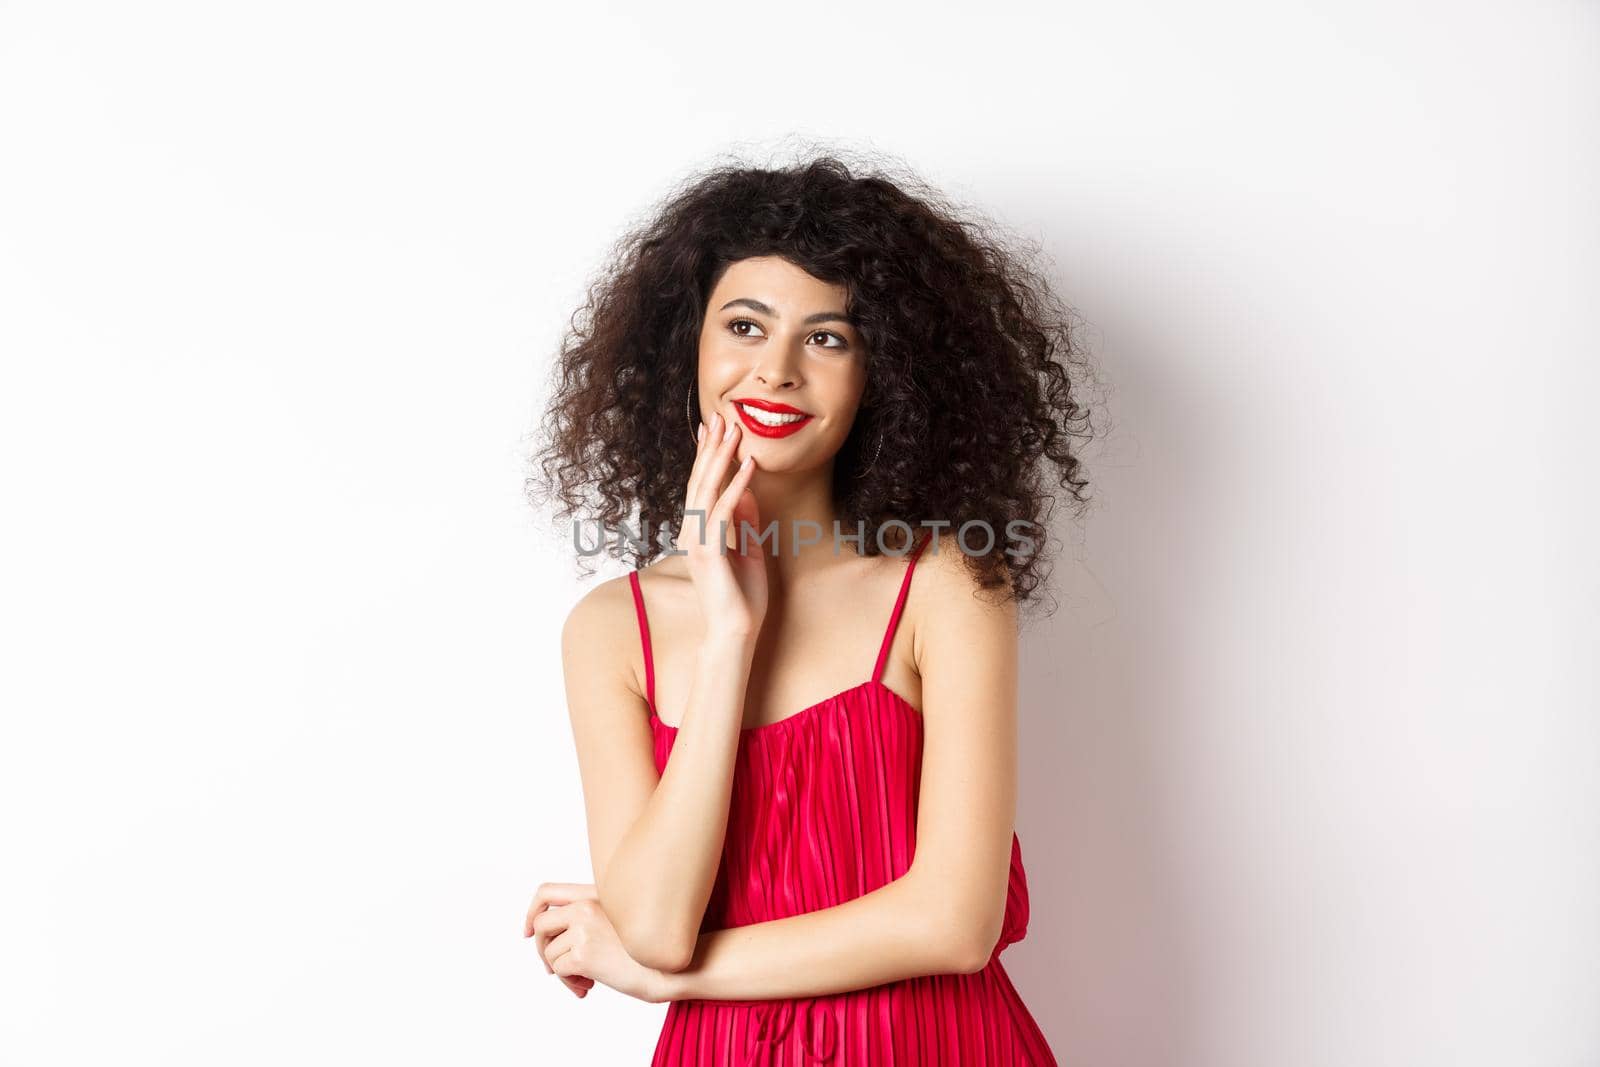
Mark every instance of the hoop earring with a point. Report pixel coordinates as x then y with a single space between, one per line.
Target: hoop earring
874 462
688 410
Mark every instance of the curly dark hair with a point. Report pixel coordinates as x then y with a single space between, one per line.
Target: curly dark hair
970 360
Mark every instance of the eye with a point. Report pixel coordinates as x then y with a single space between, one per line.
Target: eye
751 328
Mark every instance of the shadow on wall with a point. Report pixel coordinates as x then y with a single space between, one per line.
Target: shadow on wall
1102 698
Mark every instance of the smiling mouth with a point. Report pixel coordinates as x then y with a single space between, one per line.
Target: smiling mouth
770 420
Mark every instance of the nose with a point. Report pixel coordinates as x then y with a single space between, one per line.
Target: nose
778 368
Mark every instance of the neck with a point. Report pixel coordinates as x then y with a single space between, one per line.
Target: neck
802 506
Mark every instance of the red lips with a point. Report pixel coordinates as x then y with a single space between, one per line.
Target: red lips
762 430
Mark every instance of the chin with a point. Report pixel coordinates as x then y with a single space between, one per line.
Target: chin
783 460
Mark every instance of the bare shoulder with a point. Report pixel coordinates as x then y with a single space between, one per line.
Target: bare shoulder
948 609
596 612
597 638
948 585
609 605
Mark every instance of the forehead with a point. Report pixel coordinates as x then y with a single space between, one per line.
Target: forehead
773 279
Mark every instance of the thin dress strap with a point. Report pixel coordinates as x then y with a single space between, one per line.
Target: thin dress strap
899 603
644 641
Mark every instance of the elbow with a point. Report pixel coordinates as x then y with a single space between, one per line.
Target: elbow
652 937
669 958
659 949
972 941
961 930
975 957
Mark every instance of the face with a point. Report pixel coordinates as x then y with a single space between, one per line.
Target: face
775 343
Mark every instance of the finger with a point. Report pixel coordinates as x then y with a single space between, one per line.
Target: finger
555 918
567 963
726 503
716 471
710 436
723 507
559 946
747 514
560 893
748 508
727 453
548 893
553 922
534 911
539 944
579 985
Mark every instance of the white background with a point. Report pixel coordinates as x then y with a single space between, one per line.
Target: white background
1310 746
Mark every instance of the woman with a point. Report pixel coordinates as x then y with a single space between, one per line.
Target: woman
878 389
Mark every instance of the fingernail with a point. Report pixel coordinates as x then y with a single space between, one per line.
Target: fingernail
700 434
727 434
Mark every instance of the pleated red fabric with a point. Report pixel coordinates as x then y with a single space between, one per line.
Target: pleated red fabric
823 810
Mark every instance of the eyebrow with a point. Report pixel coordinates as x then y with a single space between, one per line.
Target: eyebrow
821 316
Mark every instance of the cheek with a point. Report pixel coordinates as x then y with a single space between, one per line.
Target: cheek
846 408
849 390
719 371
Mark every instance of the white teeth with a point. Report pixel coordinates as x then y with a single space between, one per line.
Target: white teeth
769 418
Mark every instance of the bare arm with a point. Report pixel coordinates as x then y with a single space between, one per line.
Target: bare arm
945 914
655 840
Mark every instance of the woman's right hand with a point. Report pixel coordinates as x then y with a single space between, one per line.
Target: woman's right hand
731 585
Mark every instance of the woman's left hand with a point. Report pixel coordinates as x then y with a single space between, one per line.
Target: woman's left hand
577 939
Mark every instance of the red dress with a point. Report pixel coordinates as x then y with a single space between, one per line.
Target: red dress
823 810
